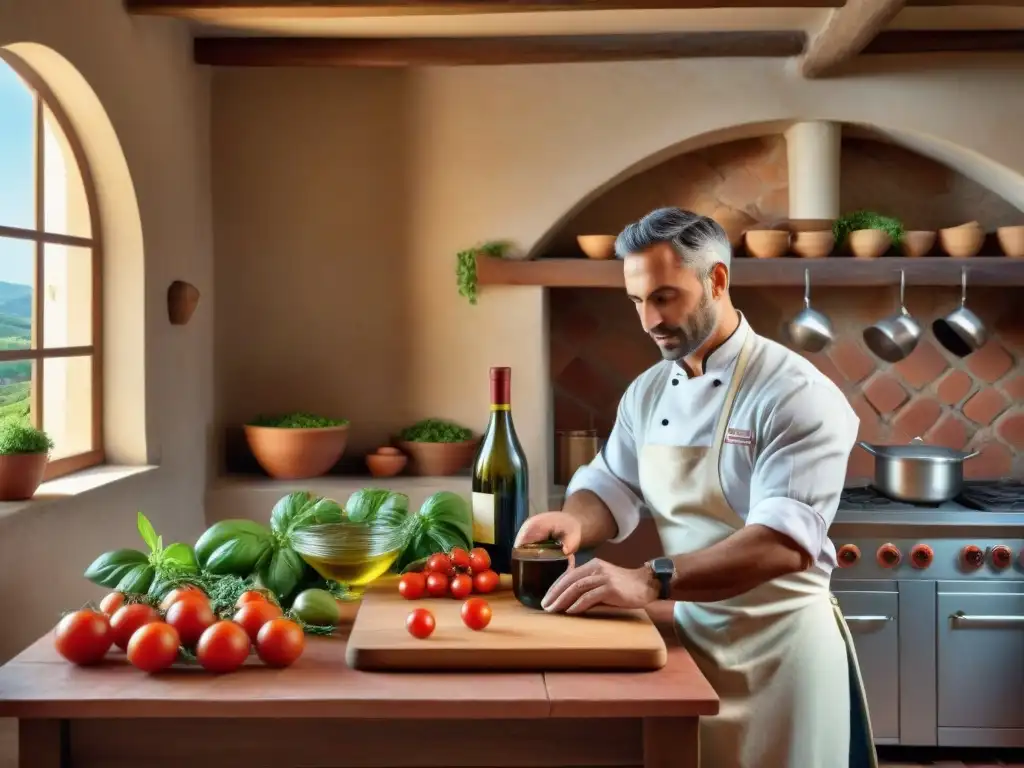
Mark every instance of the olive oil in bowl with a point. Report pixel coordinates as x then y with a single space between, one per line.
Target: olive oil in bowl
352 554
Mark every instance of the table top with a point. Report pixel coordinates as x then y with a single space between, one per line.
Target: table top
38 683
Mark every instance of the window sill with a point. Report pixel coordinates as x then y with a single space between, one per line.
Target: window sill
71 486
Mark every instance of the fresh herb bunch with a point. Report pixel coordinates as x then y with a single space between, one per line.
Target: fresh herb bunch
17 437
297 421
851 222
465 266
435 431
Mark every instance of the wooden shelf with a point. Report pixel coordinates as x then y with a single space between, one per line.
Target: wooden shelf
832 271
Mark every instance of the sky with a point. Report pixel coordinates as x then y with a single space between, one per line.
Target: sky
17 191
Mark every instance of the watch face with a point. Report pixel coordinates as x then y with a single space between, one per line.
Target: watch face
663 566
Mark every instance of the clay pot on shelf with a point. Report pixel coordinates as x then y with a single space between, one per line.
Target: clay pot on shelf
386 462
287 453
438 459
182 300
21 474
964 241
917 243
597 246
1011 240
813 245
767 243
868 243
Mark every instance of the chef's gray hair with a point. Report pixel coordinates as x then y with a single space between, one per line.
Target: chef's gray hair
699 240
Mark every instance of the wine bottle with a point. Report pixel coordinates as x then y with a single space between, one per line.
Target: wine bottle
500 478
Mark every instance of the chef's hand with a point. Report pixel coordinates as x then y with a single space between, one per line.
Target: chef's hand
551 525
600 583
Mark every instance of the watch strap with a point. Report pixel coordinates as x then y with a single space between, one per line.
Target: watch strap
662 568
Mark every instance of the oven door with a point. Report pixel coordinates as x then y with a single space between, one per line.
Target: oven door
981 662
871 610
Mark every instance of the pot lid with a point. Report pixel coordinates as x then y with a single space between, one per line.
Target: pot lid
917 449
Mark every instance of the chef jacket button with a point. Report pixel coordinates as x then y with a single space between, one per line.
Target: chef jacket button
664 422
716 383
675 382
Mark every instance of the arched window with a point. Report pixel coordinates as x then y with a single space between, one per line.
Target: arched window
50 367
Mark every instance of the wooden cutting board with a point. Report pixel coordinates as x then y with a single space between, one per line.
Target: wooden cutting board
517 638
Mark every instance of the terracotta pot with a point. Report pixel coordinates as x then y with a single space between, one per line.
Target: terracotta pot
182 300
868 243
438 459
916 243
296 454
21 475
767 243
813 245
385 464
1011 240
962 242
597 246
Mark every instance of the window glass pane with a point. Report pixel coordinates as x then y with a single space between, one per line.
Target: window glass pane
65 210
67 404
17 276
16 389
17 151
67 296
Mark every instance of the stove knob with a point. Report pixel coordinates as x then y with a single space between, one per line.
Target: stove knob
848 555
972 557
1002 556
888 556
921 556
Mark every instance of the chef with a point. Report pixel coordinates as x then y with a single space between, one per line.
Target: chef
738 447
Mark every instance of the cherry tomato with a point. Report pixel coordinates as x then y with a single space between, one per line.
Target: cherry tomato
252 616
459 558
280 642
437 584
462 586
438 563
485 581
479 560
223 647
412 585
190 618
154 646
111 603
420 623
129 618
476 613
83 637
179 593
251 596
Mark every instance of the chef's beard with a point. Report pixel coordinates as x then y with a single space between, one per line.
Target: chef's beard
692 334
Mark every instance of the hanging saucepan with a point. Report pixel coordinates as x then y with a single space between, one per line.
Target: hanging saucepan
961 331
810 330
918 473
895 337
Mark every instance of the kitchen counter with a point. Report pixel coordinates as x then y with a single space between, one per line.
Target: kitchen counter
321 714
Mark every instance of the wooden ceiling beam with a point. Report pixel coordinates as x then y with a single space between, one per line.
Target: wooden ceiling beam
457 51
846 32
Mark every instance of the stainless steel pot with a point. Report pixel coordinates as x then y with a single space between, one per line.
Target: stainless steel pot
810 330
918 473
961 331
895 337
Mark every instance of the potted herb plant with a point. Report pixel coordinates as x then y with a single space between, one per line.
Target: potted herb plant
24 453
296 446
436 447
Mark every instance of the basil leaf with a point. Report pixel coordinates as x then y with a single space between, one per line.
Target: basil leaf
108 569
301 509
220 533
371 504
239 556
148 534
179 557
137 580
283 572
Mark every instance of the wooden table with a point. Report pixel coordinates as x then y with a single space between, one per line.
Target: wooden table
321 714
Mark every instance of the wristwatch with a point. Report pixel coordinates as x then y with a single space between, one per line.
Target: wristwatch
663 569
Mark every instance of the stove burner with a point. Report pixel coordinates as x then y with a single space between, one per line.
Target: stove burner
997 495
981 496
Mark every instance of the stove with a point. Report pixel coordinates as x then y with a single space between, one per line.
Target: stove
934 596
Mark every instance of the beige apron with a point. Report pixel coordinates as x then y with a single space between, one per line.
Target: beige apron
780 656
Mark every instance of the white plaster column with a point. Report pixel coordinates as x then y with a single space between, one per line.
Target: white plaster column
813 149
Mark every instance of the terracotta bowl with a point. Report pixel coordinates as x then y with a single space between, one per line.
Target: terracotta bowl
767 243
296 454
21 474
1011 240
868 243
813 245
916 243
962 242
386 465
438 459
597 246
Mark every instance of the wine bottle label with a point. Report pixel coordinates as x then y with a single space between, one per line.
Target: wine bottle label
483 518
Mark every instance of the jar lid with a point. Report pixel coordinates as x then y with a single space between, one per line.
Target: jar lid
549 549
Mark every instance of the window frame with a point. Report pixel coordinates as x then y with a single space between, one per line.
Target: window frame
43 99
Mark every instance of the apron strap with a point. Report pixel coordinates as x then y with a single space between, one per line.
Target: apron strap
730 396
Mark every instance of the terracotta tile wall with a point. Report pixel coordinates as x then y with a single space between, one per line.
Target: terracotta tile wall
598 347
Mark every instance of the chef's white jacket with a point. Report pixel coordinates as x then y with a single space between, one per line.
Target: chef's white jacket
783 464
